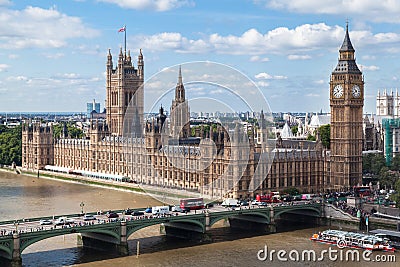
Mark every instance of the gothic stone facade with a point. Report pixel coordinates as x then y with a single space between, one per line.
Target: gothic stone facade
189 162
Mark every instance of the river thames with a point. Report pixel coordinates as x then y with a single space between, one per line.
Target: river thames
24 196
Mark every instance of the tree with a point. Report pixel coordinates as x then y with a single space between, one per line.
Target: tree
10 145
311 137
291 191
73 131
388 178
396 196
378 163
373 163
395 164
295 129
325 134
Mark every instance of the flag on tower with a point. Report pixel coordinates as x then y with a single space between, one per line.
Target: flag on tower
122 29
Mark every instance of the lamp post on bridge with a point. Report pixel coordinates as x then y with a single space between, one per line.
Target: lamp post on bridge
16 227
82 205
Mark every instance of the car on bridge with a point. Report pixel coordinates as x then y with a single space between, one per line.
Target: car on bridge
88 217
137 213
176 208
111 214
45 222
243 203
63 220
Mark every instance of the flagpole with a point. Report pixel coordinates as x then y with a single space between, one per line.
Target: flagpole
125 38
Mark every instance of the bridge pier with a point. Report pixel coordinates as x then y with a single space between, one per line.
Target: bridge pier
122 247
208 227
105 242
16 254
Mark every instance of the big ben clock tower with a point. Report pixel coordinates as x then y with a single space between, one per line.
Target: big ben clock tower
346 101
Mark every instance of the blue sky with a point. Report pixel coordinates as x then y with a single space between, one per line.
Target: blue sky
53 53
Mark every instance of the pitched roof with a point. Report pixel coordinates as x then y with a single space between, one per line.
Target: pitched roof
347 46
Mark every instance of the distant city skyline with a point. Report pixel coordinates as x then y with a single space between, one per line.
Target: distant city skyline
53 53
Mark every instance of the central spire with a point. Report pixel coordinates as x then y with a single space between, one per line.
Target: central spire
347 46
180 76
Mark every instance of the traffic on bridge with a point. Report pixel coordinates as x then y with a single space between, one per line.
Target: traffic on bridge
7 228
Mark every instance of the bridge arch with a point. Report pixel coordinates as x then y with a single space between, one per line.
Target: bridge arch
28 239
6 248
215 217
315 209
134 226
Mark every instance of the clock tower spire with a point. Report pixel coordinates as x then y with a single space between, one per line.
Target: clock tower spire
346 101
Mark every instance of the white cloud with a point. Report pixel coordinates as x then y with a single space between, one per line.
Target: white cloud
54 56
369 68
298 57
4 2
280 40
37 27
319 82
3 67
17 78
262 84
266 76
372 10
297 42
368 57
263 75
312 95
13 56
259 59
67 75
158 5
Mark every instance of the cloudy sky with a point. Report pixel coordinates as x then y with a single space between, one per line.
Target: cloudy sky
53 53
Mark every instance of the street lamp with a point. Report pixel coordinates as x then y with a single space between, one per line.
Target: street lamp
82 205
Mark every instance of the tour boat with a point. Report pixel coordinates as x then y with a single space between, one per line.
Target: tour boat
353 240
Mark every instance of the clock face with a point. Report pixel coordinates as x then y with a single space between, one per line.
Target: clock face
356 91
338 91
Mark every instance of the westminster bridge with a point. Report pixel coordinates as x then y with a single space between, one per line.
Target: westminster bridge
103 232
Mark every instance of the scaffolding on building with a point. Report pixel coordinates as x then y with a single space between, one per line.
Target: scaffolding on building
388 126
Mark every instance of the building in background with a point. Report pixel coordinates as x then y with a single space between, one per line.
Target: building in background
92 106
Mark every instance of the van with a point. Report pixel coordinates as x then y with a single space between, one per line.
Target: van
63 220
160 210
176 208
230 202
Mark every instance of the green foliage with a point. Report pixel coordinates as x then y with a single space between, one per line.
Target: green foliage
373 163
396 196
395 164
311 137
388 178
10 145
73 131
206 128
291 191
295 129
325 134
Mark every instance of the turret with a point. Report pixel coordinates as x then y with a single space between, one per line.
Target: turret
128 58
109 60
140 64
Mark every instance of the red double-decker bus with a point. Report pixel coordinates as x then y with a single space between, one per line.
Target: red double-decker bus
361 191
268 198
192 203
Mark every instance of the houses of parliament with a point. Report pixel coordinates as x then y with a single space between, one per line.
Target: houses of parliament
165 151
